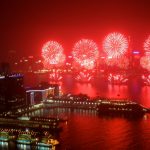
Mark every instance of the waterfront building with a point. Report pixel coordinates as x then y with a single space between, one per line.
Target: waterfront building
37 94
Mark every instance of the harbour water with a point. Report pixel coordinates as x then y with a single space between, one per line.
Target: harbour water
85 130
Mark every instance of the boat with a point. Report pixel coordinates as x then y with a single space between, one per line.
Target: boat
4 136
44 142
47 142
119 107
24 139
37 123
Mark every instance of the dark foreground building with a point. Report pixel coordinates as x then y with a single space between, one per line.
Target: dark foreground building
12 92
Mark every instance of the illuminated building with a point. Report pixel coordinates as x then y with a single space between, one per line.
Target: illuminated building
37 94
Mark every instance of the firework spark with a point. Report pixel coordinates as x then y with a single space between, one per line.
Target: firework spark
85 53
52 53
147 46
145 62
117 78
115 45
146 79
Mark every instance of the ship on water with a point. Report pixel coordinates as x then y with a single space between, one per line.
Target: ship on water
121 107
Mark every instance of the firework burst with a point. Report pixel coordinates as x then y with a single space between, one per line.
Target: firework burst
146 79
52 53
145 62
85 53
117 78
147 46
115 45
84 77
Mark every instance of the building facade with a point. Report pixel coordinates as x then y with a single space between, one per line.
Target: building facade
12 92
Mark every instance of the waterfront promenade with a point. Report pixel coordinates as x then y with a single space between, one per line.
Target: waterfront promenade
84 103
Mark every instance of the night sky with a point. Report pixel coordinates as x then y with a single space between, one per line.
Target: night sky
26 24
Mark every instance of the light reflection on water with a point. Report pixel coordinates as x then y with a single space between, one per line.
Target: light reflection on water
145 96
85 126
140 95
134 90
28 147
99 87
3 145
62 112
12 146
86 130
23 146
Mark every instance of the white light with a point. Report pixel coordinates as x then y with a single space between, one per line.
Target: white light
2 77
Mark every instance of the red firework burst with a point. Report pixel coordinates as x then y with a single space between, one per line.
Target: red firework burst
147 46
110 61
117 78
55 76
52 53
146 79
115 45
122 62
84 77
85 53
145 62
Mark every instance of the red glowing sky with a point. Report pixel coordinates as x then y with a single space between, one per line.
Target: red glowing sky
27 24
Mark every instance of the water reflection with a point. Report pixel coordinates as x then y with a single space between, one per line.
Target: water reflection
13 146
120 91
29 147
85 88
91 132
43 148
86 130
23 146
3 145
62 112
145 96
134 90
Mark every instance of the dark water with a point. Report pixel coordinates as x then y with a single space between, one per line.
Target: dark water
85 130
92 132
